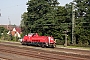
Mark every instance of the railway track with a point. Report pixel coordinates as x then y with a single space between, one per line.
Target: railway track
2 58
42 54
67 50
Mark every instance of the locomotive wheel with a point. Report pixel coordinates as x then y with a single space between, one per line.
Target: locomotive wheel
43 45
28 44
23 43
54 46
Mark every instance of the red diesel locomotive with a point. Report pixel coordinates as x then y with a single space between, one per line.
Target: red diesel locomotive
35 39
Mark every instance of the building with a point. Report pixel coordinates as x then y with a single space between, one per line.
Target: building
12 29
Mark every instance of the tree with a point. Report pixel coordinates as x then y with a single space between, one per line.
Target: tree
3 32
46 18
40 14
24 23
82 22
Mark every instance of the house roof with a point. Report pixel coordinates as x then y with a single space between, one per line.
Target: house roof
12 27
18 29
8 27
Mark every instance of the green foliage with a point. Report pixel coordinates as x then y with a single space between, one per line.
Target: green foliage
3 31
4 35
47 18
82 29
24 23
60 42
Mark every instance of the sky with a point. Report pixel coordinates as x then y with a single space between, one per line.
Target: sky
11 10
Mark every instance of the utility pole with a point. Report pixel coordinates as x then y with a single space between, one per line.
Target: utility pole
66 35
73 24
9 21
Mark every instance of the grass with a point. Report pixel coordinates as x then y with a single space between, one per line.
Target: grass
74 47
8 40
